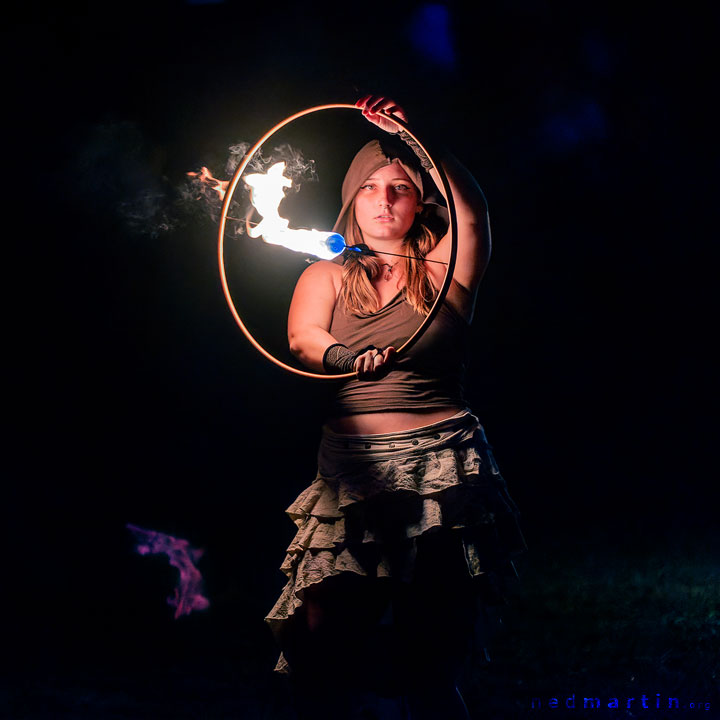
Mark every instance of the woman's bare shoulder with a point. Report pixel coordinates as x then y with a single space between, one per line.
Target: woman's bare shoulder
324 271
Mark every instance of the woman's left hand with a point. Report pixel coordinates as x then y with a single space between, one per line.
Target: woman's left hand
372 104
374 364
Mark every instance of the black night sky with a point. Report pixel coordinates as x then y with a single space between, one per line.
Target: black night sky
134 398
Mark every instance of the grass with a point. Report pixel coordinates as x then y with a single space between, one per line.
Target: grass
614 624
617 622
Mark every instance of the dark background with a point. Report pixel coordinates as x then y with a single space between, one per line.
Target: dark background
134 398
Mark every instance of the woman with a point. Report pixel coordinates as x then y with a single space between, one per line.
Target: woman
408 524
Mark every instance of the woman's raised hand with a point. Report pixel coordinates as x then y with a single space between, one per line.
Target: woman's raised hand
374 364
372 104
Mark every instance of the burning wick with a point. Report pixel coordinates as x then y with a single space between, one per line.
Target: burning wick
267 190
188 593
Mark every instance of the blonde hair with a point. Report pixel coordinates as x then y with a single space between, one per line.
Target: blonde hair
360 270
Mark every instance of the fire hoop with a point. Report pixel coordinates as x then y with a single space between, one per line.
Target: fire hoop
221 241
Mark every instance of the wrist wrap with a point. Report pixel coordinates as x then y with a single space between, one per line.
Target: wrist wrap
408 140
339 359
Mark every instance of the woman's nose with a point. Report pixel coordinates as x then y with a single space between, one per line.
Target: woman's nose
386 198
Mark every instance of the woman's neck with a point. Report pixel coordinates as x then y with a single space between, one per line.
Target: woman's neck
391 247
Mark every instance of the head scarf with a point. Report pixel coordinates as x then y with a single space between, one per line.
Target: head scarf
372 157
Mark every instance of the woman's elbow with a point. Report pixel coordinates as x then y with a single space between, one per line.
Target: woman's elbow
300 344
295 344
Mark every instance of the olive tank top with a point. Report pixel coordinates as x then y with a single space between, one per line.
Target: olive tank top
429 375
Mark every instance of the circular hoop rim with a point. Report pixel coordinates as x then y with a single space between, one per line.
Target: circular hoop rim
221 241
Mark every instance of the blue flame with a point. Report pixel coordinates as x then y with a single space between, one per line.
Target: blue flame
335 243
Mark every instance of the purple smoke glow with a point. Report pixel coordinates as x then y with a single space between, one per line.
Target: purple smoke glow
188 593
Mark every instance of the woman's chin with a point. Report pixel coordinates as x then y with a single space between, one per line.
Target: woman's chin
388 234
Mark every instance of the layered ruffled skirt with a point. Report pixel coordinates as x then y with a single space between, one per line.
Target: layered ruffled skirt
376 495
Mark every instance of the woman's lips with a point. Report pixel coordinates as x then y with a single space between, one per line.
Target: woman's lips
384 218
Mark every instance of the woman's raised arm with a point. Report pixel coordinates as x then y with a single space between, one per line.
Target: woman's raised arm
474 243
470 207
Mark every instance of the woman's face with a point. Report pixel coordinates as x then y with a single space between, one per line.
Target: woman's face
386 204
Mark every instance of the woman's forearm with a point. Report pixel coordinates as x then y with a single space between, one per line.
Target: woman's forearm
473 225
308 344
470 203
311 311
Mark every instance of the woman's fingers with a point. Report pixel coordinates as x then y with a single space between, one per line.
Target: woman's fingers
372 105
384 362
396 111
374 364
365 362
376 104
390 107
389 354
382 103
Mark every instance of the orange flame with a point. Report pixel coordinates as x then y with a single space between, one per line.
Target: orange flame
266 193
205 176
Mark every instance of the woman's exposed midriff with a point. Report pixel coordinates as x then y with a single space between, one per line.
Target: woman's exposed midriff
384 422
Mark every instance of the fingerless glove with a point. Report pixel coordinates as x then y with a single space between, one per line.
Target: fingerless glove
339 359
